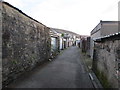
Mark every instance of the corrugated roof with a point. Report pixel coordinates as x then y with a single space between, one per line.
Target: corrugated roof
106 37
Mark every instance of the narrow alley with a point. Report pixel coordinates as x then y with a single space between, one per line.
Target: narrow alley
45 50
66 71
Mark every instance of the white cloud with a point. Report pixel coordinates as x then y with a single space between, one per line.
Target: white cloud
79 16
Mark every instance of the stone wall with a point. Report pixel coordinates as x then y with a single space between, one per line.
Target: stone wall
0 45
26 43
106 59
85 45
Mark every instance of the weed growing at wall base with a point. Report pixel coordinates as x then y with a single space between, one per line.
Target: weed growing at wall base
103 79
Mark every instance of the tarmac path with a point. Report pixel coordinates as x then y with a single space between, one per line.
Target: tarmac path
66 71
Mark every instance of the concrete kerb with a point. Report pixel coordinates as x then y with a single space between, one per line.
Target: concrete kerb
96 83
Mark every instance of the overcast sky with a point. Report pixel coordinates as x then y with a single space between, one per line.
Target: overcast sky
79 16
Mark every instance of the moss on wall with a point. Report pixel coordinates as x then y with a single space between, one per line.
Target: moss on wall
25 44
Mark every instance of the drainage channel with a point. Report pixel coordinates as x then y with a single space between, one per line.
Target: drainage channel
95 81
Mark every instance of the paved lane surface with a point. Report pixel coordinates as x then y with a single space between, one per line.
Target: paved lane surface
66 71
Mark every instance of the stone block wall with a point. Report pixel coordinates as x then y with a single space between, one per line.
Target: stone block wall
106 59
84 45
26 43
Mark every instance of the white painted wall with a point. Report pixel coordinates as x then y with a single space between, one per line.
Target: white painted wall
61 43
53 43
